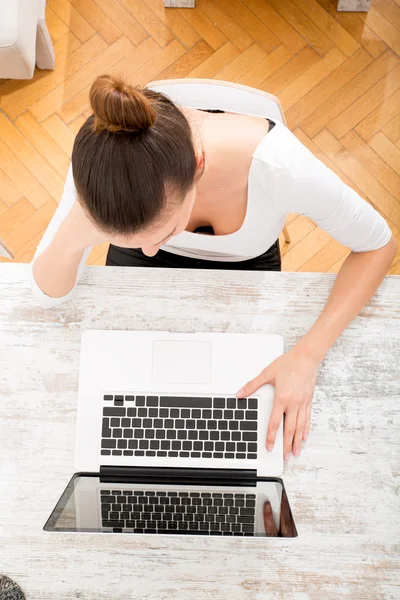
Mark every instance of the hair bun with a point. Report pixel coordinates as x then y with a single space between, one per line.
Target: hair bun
118 106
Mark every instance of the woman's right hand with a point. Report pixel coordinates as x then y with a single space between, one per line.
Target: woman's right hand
84 232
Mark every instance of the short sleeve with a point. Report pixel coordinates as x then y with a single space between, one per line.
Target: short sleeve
67 201
308 187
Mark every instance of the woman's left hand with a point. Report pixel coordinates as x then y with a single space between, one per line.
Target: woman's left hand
294 375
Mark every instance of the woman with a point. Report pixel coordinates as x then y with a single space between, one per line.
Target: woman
212 190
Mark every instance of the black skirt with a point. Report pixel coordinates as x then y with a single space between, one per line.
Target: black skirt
134 257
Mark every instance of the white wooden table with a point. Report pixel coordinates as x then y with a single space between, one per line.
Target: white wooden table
343 489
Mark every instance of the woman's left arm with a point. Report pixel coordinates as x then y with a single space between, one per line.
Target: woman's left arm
294 373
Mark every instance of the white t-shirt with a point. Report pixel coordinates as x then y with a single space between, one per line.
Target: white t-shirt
284 177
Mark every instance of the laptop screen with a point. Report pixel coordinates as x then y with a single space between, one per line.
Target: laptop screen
89 504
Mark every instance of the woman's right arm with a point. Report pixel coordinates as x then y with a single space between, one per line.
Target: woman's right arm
62 253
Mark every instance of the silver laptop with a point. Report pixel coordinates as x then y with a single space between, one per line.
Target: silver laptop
163 446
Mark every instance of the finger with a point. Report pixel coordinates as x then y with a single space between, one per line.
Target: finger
288 432
266 376
307 423
273 425
269 524
301 418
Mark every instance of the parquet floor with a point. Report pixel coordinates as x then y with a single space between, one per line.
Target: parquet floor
336 74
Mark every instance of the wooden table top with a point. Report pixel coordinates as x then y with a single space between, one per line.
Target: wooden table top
343 489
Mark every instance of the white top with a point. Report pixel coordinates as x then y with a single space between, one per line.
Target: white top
284 177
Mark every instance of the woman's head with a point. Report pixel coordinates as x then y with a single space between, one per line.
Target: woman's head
134 163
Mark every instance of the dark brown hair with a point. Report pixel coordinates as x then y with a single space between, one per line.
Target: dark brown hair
133 153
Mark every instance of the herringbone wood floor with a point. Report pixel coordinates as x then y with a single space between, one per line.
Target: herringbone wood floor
336 74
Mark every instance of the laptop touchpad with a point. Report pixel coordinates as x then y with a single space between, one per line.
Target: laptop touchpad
181 362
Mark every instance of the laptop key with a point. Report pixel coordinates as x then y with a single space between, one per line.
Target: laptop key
140 401
203 435
128 452
236 435
149 434
108 443
139 433
212 424
222 425
132 444
249 436
248 425
105 452
219 402
160 434
114 411
152 400
171 434
106 431
185 402
247 512
108 397
113 523
252 403
251 415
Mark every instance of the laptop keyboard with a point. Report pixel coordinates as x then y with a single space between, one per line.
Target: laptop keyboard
176 426
178 512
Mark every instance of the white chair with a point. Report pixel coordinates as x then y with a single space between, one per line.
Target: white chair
24 39
5 250
225 95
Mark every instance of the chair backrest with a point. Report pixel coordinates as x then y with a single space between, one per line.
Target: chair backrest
225 95
5 250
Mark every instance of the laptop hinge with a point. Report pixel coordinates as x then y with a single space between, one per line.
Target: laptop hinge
167 475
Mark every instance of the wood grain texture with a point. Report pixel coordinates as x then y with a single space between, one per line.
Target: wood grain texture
343 488
335 73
